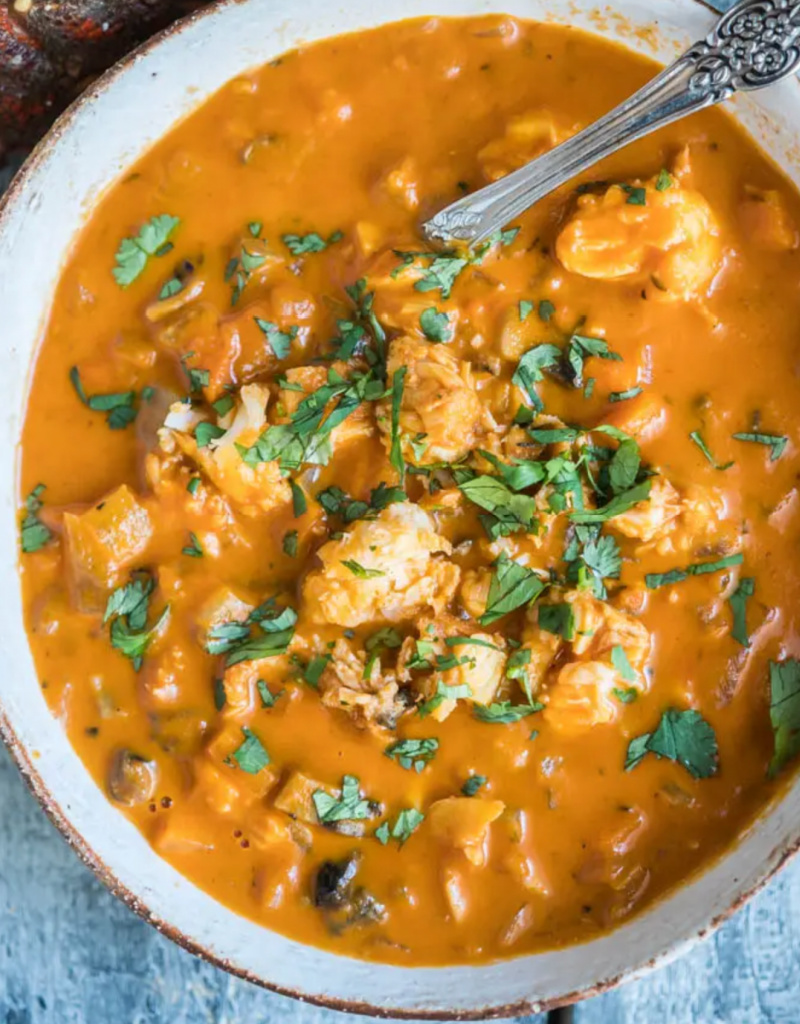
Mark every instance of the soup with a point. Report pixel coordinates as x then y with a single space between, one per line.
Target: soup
429 607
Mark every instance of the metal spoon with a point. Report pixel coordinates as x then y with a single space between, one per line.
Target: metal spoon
755 44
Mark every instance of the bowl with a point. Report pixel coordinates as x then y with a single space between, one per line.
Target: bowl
111 126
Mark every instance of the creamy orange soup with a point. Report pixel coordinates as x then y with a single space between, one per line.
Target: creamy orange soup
429 607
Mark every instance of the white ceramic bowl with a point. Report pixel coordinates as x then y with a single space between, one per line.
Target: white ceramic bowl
108 128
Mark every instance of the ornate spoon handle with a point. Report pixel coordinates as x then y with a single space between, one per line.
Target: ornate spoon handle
755 44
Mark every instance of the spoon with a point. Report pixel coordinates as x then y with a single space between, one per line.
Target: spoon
756 43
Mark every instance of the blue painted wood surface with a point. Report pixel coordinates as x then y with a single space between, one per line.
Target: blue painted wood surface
72 954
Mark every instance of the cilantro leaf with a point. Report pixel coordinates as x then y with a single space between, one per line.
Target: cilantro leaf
406 822
682 736
784 712
34 534
579 348
435 325
205 433
624 466
619 659
315 668
290 543
118 405
239 643
299 503
738 603
444 692
529 370
473 784
349 806
193 549
525 309
134 253
127 610
654 580
619 503
663 181
775 442
558 619
251 756
396 452
413 753
504 712
626 696
512 586
511 512
279 341
441 274
623 396
299 245
268 698
360 571
697 437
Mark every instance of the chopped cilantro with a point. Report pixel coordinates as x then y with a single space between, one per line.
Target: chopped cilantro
413 754
290 543
558 619
473 784
637 196
579 348
171 287
663 181
682 736
784 712
126 610
623 396
193 484
406 822
315 668
220 697
205 433
546 309
268 698
33 532
193 549
337 503
443 693
350 805
360 571
775 442
435 325
654 580
299 503
512 586
279 341
509 512
626 696
738 603
525 309
529 370
134 253
251 755
504 712
223 405
396 452
237 641
697 437
619 659
619 503
299 245
119 405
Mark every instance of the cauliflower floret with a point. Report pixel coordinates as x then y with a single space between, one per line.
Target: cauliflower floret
381 570
372 702
582 697
543 647
358 425
440 404
671 240
474 592
254 489
526 136
678 524
766 221
462 823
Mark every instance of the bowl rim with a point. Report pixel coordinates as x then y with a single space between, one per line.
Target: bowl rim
784 852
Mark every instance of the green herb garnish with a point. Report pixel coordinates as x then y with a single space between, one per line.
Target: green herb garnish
682 736
134 253
33 532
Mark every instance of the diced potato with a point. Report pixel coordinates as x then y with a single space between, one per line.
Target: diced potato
462 823
217 786
766 221
440 404
184 831
296 797
107 540
381 569
670 242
